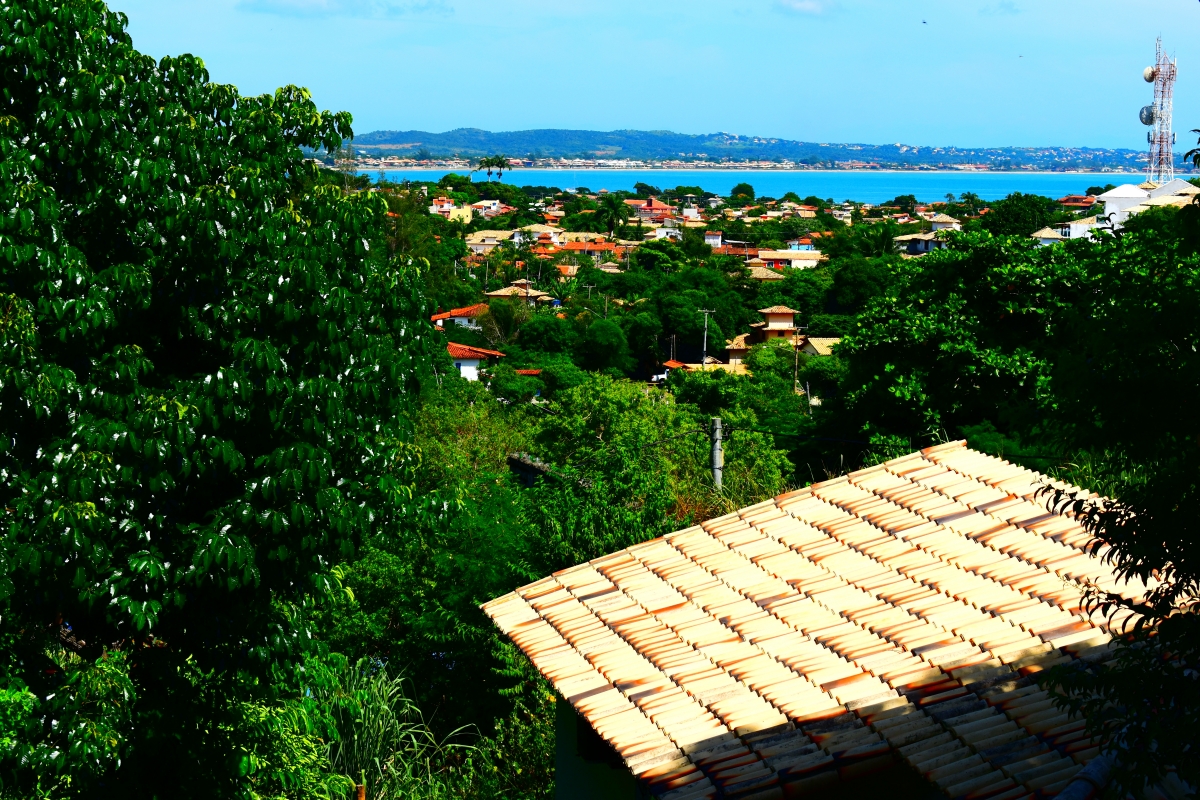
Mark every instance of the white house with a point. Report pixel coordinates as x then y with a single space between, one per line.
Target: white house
712 238
794 259
465 317
483 242
469 361
945 222
1118 201
530 233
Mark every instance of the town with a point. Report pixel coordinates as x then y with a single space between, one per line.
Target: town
328 479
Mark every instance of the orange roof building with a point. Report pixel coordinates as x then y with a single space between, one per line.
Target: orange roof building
460 316
470 361
895 614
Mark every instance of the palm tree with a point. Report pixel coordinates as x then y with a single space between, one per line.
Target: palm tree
501 164
613 212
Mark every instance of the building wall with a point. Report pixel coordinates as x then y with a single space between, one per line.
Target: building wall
468 368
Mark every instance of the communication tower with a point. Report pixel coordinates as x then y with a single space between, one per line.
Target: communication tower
1158 117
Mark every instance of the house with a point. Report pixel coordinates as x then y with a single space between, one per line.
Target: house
803 243
888 623
445 207
843 215
521 288
648 208
1118 201
469 361
1127 200
793 259
1082 202
491 208
1047 236
691 212
674 234
945 222
817 345
917 244
463 317
778 322
483 242
806 212
530 234
759 273
713 238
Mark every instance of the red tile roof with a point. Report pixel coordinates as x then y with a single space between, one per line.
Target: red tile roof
673 364
900 610
467 351
528 372
468 312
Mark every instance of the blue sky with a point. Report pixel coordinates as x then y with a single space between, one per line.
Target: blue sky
939 72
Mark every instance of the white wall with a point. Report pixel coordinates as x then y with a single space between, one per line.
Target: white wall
468 368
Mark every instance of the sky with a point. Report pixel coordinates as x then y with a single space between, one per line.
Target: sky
932 73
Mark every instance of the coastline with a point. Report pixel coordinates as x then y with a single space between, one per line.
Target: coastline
515 170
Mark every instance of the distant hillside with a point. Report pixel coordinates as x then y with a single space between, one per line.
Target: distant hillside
660 145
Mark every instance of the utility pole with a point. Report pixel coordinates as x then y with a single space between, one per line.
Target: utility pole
718 455
589 287
704 352
796 360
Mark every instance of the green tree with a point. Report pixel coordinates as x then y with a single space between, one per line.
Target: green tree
604 347
207 372
612 212
1020 215
742 191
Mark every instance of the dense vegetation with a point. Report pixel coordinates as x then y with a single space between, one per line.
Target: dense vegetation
250 509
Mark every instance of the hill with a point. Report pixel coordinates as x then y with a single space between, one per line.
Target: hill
662 145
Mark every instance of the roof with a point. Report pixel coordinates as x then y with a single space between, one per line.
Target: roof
1046 233
673 364
778 310
790 255
944 218
823 344
1124 190
467 351
764 274
1084 221
479 236
528 372
516 291
901 609
468 311
739 342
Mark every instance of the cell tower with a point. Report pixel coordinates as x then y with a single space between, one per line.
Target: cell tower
1158 117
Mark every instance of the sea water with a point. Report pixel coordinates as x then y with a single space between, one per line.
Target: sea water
866 186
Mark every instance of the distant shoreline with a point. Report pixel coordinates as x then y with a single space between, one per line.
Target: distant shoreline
513 170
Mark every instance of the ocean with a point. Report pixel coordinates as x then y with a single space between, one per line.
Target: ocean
865 187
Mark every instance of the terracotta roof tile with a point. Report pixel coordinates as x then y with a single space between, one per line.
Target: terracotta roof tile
896 609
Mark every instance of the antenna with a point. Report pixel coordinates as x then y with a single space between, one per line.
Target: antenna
1158 117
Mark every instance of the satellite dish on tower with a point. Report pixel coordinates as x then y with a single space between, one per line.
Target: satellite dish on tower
1146 115
1149 74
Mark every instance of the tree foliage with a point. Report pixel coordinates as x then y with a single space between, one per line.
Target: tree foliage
207 372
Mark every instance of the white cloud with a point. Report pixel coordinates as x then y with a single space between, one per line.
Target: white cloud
370 9
1002 8
803 6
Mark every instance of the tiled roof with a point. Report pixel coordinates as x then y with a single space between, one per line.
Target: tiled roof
900 609
778 310
943 218
1046 233
739 342
764 274
823 344
530 372
673 364
467 312
467 351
